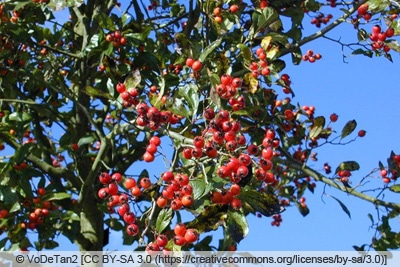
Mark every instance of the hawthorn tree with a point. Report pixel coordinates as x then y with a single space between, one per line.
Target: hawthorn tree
89 89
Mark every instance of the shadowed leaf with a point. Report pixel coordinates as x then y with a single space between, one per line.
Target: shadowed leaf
348 128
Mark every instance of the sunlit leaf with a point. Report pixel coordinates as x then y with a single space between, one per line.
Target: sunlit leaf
209 49
20 116
163 219
250 82
210 218
56 196
133 80
58 5
348 165
317 127
96 92
395 188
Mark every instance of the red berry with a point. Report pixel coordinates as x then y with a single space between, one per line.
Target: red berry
155 140
234 8
180 229
191 235
145 182
362 9
197 65
189 62
132 229
162 240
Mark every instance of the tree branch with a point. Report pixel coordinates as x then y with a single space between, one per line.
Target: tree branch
291 162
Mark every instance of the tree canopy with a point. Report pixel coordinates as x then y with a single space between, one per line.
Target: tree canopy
95 94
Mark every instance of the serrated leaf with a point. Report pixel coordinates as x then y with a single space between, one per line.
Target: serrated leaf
15 207
56 196
86 140
95 92
296 56
199 188
250 82
209 49
164 219
395 188
245 51
190 94
267 16
133 79
317 127
361 51
254 201
20 116
343 206
348 128
348 165
362 35
23 152
236 225
304 210
210 218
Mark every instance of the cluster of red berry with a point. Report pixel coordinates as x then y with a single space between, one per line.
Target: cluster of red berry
116 38
260 67
228 89
151 148
310 56
153 118
378 38
177 191
321 19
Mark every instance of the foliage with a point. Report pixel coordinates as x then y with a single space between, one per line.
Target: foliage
88 88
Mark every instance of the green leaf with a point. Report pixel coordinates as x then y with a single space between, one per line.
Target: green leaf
164 219
296 56
343 206
105 21
395 188
362 35
96 92
133 80
57 5
190 94
20 116
115 224
348 165
348 128
254 201
209 49
15 207
361 51
51 244
200 188
56 196
177 106
86 140
317 127
23 152
245 51
304 210
267 16
236 225
210 218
